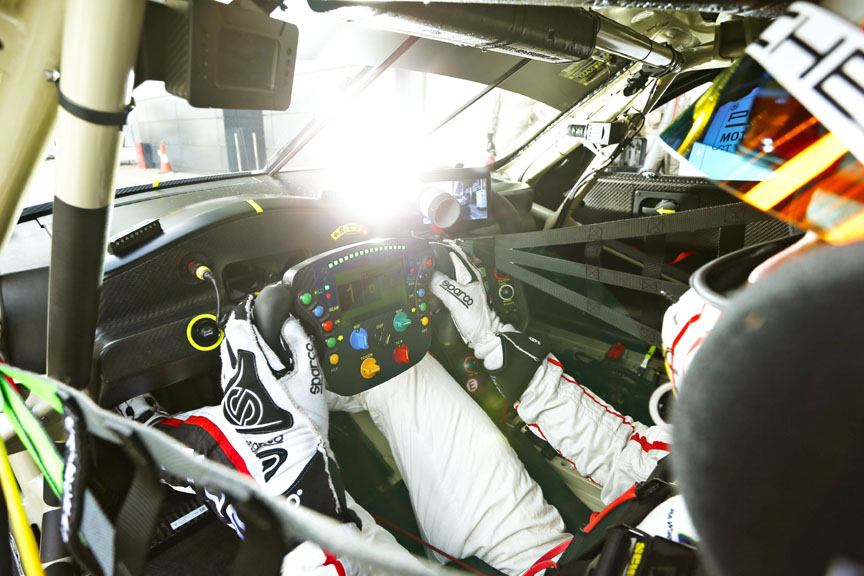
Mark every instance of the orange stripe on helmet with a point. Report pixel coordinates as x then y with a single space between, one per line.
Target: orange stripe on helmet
797 172
850 230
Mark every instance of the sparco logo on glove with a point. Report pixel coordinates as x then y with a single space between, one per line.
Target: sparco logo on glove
315 386
247 404
458 293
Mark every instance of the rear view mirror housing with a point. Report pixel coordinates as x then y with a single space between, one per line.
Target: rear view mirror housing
219 56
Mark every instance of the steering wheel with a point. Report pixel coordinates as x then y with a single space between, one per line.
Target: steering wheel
366 308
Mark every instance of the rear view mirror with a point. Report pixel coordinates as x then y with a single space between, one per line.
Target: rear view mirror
219 56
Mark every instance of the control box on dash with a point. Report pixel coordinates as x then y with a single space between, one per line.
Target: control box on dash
366 307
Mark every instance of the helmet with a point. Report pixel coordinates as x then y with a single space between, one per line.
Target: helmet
765 441
685 325
767 436
783 127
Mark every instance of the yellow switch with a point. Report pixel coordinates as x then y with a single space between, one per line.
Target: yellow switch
424 321
334 359
369 368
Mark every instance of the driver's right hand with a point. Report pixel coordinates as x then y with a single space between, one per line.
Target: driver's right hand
465 298
512 358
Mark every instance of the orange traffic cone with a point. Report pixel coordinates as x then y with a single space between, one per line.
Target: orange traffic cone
165 165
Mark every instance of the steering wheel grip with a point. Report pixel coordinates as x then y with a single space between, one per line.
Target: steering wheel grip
272 307
442 259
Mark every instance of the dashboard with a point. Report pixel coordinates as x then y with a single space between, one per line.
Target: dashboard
152 330
143 338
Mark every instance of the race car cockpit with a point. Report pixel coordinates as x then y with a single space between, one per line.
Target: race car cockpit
168 162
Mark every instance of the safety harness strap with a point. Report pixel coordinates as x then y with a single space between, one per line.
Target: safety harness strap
120 542
272 527
630 551
256 554
629 510
139 514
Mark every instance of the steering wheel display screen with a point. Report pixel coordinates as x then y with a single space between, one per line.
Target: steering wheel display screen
370 290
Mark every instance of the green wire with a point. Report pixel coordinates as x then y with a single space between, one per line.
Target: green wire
28 428
40 385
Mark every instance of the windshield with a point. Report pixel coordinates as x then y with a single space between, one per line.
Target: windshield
390 121
167 139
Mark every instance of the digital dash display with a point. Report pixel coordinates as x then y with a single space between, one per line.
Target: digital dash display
366 291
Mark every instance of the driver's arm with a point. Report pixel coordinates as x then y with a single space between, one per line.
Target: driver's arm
271 424
603 445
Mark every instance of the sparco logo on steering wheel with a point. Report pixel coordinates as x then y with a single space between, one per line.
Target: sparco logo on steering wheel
458 293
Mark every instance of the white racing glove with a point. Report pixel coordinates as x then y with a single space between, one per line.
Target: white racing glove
279 410
511 357
466 300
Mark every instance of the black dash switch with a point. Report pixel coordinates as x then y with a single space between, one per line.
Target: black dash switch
134 237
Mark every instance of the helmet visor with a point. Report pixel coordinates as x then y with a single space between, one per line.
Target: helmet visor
759 141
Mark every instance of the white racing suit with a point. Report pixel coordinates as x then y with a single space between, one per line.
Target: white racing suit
470 493
604 446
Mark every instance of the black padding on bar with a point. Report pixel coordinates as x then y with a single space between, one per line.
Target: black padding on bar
77 257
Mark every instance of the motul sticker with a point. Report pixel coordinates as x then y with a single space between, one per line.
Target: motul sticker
348 229
819 58
587 71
